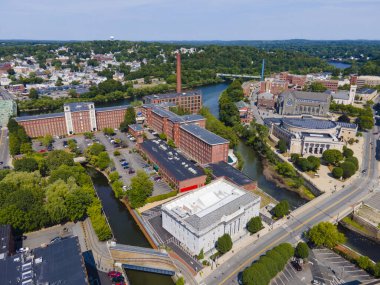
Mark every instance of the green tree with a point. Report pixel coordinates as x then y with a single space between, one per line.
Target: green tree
224 243
114 176
95 149
109 131
347 152
116 153
282 146
25 164
303 164
294 157
72 145
354 161
77 203
344 118
102 160
348 168
141 188
55 201
364 262
254 225
46 140
89 135
302 250
209 174
180 281
337 172
26 148
332 156
317 87
56 158
365 122
33 93
315 162
325 234
285 169
281 209
171 143
201 255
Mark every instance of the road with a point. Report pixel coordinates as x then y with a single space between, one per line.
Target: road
330 208
4 147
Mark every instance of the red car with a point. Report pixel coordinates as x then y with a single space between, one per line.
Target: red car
121 283
114 274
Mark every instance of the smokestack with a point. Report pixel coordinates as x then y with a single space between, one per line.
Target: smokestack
179 81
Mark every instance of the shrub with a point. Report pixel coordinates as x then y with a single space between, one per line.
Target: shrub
337 172
116 153
180 281
161 197
315 162
282 146
294 157
302 250
347 152
201 255
224 243
303 164
254 225
364 262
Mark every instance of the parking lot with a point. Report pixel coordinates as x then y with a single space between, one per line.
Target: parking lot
134 160
290 276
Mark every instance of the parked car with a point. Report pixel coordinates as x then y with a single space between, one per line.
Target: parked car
1 162
124 163
131 171
158 178
114 274
121 160
125 166
296 266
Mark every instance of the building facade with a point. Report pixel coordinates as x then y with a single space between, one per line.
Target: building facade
76 118
191 101
310 136
197 219
300 102
274 86
245 112
266 100
330 84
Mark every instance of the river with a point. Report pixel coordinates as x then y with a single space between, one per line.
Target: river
339 64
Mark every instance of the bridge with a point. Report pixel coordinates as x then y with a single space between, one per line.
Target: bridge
142 259
246 76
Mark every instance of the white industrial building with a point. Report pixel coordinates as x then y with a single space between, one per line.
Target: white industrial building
198 218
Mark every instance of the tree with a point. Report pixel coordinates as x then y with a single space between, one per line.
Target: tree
162 136
347 152
102 160
72 145
224 243
141 188
89 135
294 157
332 156
315 162
325 234
56 158
208 172
180 281
354 161
171 143
26 164
281 209
201 255
129 119
46 140
26 148
337 172
285 169
365 122
109 131
77 203
348 168
344 118
303 164
33 93
116 153
364 262
317 87
302 250
114 176
254 225
282 146
95 149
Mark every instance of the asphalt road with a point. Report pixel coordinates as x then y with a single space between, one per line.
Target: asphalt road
328 209
4 148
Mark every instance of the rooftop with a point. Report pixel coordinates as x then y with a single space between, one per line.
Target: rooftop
340 94
203 134
136 127
174 117
111 108
175 164
5 235
314 124
223 169
46 265
78 106
171 95
309 96
365 91
241 104
39 117
208 205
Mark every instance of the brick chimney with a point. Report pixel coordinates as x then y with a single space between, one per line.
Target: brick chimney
179 81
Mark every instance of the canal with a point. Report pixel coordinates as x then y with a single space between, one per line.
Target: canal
124 228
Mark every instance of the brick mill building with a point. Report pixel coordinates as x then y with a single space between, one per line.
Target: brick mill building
76 118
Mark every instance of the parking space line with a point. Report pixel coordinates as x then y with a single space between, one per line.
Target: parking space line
283 274
286 269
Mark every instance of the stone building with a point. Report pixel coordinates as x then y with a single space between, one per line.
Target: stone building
300 103
198 218
310 136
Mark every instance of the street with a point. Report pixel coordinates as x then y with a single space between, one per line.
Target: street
4 147
330 208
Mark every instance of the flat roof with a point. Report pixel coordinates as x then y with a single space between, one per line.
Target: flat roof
39 117
207 206
172 95
314 124
136 127
223 169
58 263
174 163
174 117
79 106
366 91
203 134
111 108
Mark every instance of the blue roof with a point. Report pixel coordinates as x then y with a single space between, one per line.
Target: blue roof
347 125
174 117
309 123
39 117
136 127
204 135
119 107
366 91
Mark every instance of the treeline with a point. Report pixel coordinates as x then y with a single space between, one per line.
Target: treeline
268 266
45 190
19 142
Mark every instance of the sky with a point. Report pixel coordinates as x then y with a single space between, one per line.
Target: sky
189 19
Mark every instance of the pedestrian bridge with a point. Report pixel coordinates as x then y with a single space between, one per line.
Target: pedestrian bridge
228 75
142 259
